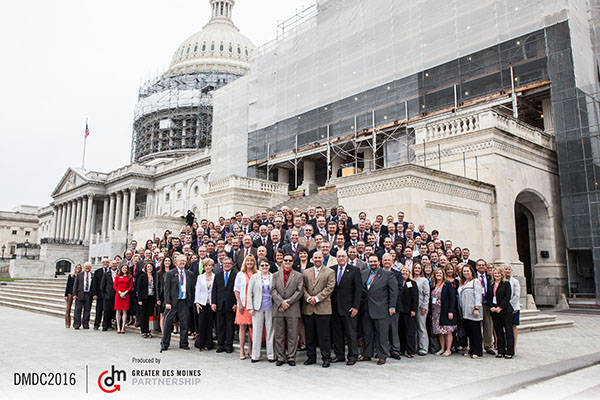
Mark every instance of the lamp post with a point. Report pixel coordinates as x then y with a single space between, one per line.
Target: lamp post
26 247
3 248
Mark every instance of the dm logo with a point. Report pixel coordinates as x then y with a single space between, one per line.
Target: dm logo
111 383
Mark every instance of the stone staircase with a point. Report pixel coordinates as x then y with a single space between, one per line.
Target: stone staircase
326 199
46 296
583 303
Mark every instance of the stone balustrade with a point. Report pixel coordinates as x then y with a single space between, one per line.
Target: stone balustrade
444 127
240 182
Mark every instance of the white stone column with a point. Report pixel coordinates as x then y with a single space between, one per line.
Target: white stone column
548 116
58 218
111 214
149 202
92 231
54 225
124 210
77 219
88 219
309 183
83 218
368 159
131 207
336 164
63 221
283 175
104 217
118 210
72 220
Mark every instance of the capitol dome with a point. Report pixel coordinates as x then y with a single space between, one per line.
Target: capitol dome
218 47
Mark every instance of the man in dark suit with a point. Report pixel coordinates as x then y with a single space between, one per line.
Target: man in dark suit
107 292
179 292
345 302
223 302
83 294
380 291
274 245
465 258
98 275
263 239
293 246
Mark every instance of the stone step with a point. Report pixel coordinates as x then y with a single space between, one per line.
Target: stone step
544 326
537 319
36 297
46 292
53 285
34 288
529 313
583 302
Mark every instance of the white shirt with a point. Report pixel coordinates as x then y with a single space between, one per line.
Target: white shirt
317 270
87 275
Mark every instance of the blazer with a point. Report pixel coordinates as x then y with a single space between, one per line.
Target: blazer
287 249
424 292
203 294
360 264
106 286
381 296
222 295
255 288
171 287
469 297
448 304
271 250
408 299
322 288
258 242
292 292
239 260
141 286
69 287
78 285
347 294
309 243
503 295
98 275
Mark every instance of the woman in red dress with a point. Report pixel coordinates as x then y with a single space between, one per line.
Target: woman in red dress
123 284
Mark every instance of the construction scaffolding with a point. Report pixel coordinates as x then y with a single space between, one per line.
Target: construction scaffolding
173 115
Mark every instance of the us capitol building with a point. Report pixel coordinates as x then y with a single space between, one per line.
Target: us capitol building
477 118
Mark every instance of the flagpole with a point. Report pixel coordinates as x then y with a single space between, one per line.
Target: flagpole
84 144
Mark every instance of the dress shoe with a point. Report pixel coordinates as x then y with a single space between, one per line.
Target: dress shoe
490 352
220 350
272 361
381 361
350 362
422 354
95 328
104 329
396 356
279 363
310 362
254 361
325 364
163 349
184 347
86 327
229 350
75 327
292 363
361 358
336 360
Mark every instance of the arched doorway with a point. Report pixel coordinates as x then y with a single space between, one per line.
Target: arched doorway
63 267
533 234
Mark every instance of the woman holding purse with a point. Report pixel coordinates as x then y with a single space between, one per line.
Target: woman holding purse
123 284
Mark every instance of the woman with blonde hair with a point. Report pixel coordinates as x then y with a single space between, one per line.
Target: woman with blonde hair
242 316
443 303
499 300
69 294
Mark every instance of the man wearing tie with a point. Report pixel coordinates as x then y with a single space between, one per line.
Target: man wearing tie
292 246
83 293
263 238
98 275
319 282
354 260
286 294
274 245
345 302
380 291
108 295
488 327
245 250
179 292
223 302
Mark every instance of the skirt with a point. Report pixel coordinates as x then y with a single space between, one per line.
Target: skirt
438 329
243 318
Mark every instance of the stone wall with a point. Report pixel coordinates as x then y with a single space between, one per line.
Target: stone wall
150 227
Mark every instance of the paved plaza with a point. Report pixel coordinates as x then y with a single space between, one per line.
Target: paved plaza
550 364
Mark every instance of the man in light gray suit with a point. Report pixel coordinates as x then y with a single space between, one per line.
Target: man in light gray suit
286 293
380 291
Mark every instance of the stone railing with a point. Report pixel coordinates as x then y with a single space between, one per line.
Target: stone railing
441 128
240 182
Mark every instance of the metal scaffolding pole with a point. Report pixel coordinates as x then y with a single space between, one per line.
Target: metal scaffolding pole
515 107
374 142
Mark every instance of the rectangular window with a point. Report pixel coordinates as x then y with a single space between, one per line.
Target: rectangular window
27 233
14 232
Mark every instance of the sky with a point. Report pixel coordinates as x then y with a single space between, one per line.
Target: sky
68 60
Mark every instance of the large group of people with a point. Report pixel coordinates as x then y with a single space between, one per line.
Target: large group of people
293 280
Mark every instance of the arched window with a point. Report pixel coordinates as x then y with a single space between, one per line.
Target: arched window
221 47
212 46
203 46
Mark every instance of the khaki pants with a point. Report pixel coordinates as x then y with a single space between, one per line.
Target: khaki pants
285 325
488 328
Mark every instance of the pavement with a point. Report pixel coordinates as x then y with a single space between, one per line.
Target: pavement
553 364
